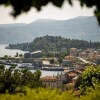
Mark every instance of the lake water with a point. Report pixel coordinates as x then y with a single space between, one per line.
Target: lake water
12 52
48 73
9 52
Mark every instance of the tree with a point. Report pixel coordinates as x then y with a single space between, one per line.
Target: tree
5 56
20 6
14 80
2 67
16 54
52 61
58 47
60 60
20 55
89 78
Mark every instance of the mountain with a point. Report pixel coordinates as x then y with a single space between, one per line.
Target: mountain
82 27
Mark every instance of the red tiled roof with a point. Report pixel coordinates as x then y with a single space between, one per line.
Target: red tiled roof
72 74
49 78
66 71
78 71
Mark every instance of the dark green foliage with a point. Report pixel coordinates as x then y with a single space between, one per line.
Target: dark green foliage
6 56
91 3
15 80
63 54
16 54
55 43
20 55
60 60
52 61
20 6
78 82
2 67
48 54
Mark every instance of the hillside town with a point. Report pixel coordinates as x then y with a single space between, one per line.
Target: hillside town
70 67
50 50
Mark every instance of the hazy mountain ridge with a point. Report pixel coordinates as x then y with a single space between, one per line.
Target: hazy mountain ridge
82 27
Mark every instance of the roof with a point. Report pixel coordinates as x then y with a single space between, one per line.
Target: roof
49 78
69 57
75 78
72 74
66 71
67 60
73 48
46 62
79 71
27 52
39 51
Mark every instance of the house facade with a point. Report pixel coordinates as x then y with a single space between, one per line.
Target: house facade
52 82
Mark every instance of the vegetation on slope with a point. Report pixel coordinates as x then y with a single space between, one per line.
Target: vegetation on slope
23 85
54 43
47 94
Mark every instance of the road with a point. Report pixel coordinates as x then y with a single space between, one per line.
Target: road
85 61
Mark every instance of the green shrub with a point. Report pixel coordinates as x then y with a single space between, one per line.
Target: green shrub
39 94
89 78
48 94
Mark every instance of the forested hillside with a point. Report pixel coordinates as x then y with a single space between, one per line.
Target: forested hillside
54 43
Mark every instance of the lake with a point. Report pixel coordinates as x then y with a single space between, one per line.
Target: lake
9 52
12 52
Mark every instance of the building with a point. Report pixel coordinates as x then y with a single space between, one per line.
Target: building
27 55
97 61
67 63
46 63
95 54
83 54
73 51
98 50
72 75
37 63
63 77
36 54
52 82
29 60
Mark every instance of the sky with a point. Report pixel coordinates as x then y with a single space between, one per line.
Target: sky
47 12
